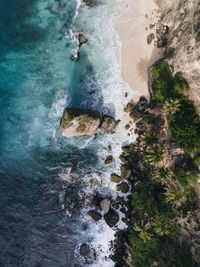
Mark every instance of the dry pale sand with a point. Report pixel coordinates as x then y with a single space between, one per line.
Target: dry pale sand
136 55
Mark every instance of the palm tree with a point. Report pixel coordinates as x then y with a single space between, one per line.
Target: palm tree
172 106
161 226
163 175
175 193
155 155
148 139
143 231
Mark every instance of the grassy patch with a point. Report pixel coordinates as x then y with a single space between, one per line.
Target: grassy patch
81 128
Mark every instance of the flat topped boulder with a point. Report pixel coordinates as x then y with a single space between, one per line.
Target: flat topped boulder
79 122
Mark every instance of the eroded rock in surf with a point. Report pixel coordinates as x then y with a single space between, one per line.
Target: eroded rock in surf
79 122
111 217
109 160
108 125
87 253
82 39
96 216
91 3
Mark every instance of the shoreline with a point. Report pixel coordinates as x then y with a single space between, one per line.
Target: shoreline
137 55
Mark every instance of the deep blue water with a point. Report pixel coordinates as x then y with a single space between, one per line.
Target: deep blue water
36 74
40 210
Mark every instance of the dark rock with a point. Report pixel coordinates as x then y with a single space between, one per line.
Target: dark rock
161 41
63 29
123 187
111 218
108 125
126 94
96 202
95 215
75 57
197 37
115 205
118 122
109 148
115 178
95 136
125 171
128 107
124 159
125 149
88 253
135 114
82 39
127 126
150 38
90 3
142 105
109 160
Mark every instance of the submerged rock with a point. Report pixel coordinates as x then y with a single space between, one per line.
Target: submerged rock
88 253
109 160
108 125
123 187
91 3
82 39
105 205
111 217
79 122
95 215
115 178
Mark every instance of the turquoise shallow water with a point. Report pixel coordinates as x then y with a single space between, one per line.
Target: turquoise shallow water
41 212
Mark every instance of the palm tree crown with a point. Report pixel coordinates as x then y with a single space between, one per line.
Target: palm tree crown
175 193
155 155
143 231
171 106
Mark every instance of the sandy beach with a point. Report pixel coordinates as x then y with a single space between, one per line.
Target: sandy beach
136 54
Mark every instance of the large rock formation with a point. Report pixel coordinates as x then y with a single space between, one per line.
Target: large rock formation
183 45
79 122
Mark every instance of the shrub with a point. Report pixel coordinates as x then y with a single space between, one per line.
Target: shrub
162 84
81 127
184 125
197 160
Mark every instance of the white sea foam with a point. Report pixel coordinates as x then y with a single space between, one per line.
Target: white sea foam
103 52
105 56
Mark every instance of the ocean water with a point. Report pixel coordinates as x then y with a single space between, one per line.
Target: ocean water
45 179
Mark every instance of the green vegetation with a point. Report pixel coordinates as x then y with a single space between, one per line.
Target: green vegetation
164 193
170 91
172 106
81 128
109 121
70 116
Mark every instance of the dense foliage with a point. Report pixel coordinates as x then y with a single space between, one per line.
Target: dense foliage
162 193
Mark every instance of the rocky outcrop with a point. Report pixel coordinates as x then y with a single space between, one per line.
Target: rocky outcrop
95 215
91 3
87 253
111 217
79 122
123 187
109 160
115 178
85 122
108 125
